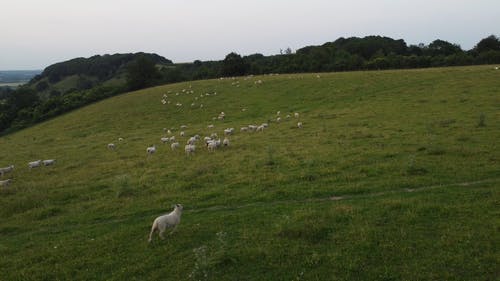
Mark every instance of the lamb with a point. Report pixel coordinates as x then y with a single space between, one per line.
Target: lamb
225 142
228 131
189 149
174 145
5 182
278 119
169 220
191 140
7 169
182 133
299 125
296 114
49 162
34 164
243 129
111 146
150 150
260 128
211 126
164 140
120 139
172 138
183 127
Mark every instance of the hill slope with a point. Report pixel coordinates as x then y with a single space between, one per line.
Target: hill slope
329 201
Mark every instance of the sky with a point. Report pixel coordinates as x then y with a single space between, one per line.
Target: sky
35 34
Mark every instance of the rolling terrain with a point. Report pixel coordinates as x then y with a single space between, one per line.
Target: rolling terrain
394 175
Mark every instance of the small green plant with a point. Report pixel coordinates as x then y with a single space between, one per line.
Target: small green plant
482 120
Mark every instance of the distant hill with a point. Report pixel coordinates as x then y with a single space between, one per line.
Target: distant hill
86 73
17 76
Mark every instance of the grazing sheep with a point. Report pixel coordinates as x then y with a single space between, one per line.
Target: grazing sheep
182 133
278 113
299 125
244 129
161 223
150 150
34 164
260 128
49 162
7 169
174 145
211 145
189 149
278 119
191 140
265 125
120 139
183 127
172 138
296 114
5 182
252 127
211 126
288 116
111 146
164 140
228 131
225 142
213 135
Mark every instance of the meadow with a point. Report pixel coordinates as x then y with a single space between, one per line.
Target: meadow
395 175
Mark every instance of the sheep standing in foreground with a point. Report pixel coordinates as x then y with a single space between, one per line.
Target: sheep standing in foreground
34 164
7 169
161 223
49 162
5 182
150 150
174 145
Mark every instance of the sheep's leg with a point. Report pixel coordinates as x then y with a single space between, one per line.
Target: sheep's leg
173 229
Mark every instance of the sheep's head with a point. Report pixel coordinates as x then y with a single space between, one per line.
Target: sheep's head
178 207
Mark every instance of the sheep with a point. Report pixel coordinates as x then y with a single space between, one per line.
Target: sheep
150 150
278 119
278 113
183 127
49 162
228 131
225 142
288 116
213 135
172 138
164 140
496 67
191 140
111 146
189 149
260 128
296 114
211 126
169 220
252 127
182 133
174 145
34 164
120 139
5 182
211 145
7 169
265 125
244 129
299 125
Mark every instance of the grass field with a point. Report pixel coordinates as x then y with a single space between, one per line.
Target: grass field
395 175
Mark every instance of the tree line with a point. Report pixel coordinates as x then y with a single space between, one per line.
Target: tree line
40 100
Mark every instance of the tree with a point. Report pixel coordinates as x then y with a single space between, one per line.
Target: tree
443 48
141 73
490 43
234 65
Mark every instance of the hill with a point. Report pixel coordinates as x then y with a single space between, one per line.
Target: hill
394 176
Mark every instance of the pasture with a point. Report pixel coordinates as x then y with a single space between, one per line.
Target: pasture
394 175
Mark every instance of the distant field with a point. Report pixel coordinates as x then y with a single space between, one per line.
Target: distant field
395 175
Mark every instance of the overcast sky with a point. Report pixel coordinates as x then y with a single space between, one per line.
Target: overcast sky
36 33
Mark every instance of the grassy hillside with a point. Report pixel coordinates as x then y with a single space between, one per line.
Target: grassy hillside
394 176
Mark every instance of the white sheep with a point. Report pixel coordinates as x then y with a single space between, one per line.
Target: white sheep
161 223
288 116
278 113
260 128
265 125
34 164
211 126
120 139
228 131
296 114
174 145
252 127
172 138
150 150
182 133
111 146
183 127
244 129
7 169
164 140
299 125
49 162
278 119
225 142
5 182
192 140
189 149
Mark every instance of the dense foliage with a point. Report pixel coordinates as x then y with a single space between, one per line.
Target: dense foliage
77 82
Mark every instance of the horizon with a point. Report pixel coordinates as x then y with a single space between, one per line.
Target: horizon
184 31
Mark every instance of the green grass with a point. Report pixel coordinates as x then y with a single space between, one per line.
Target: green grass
260 209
